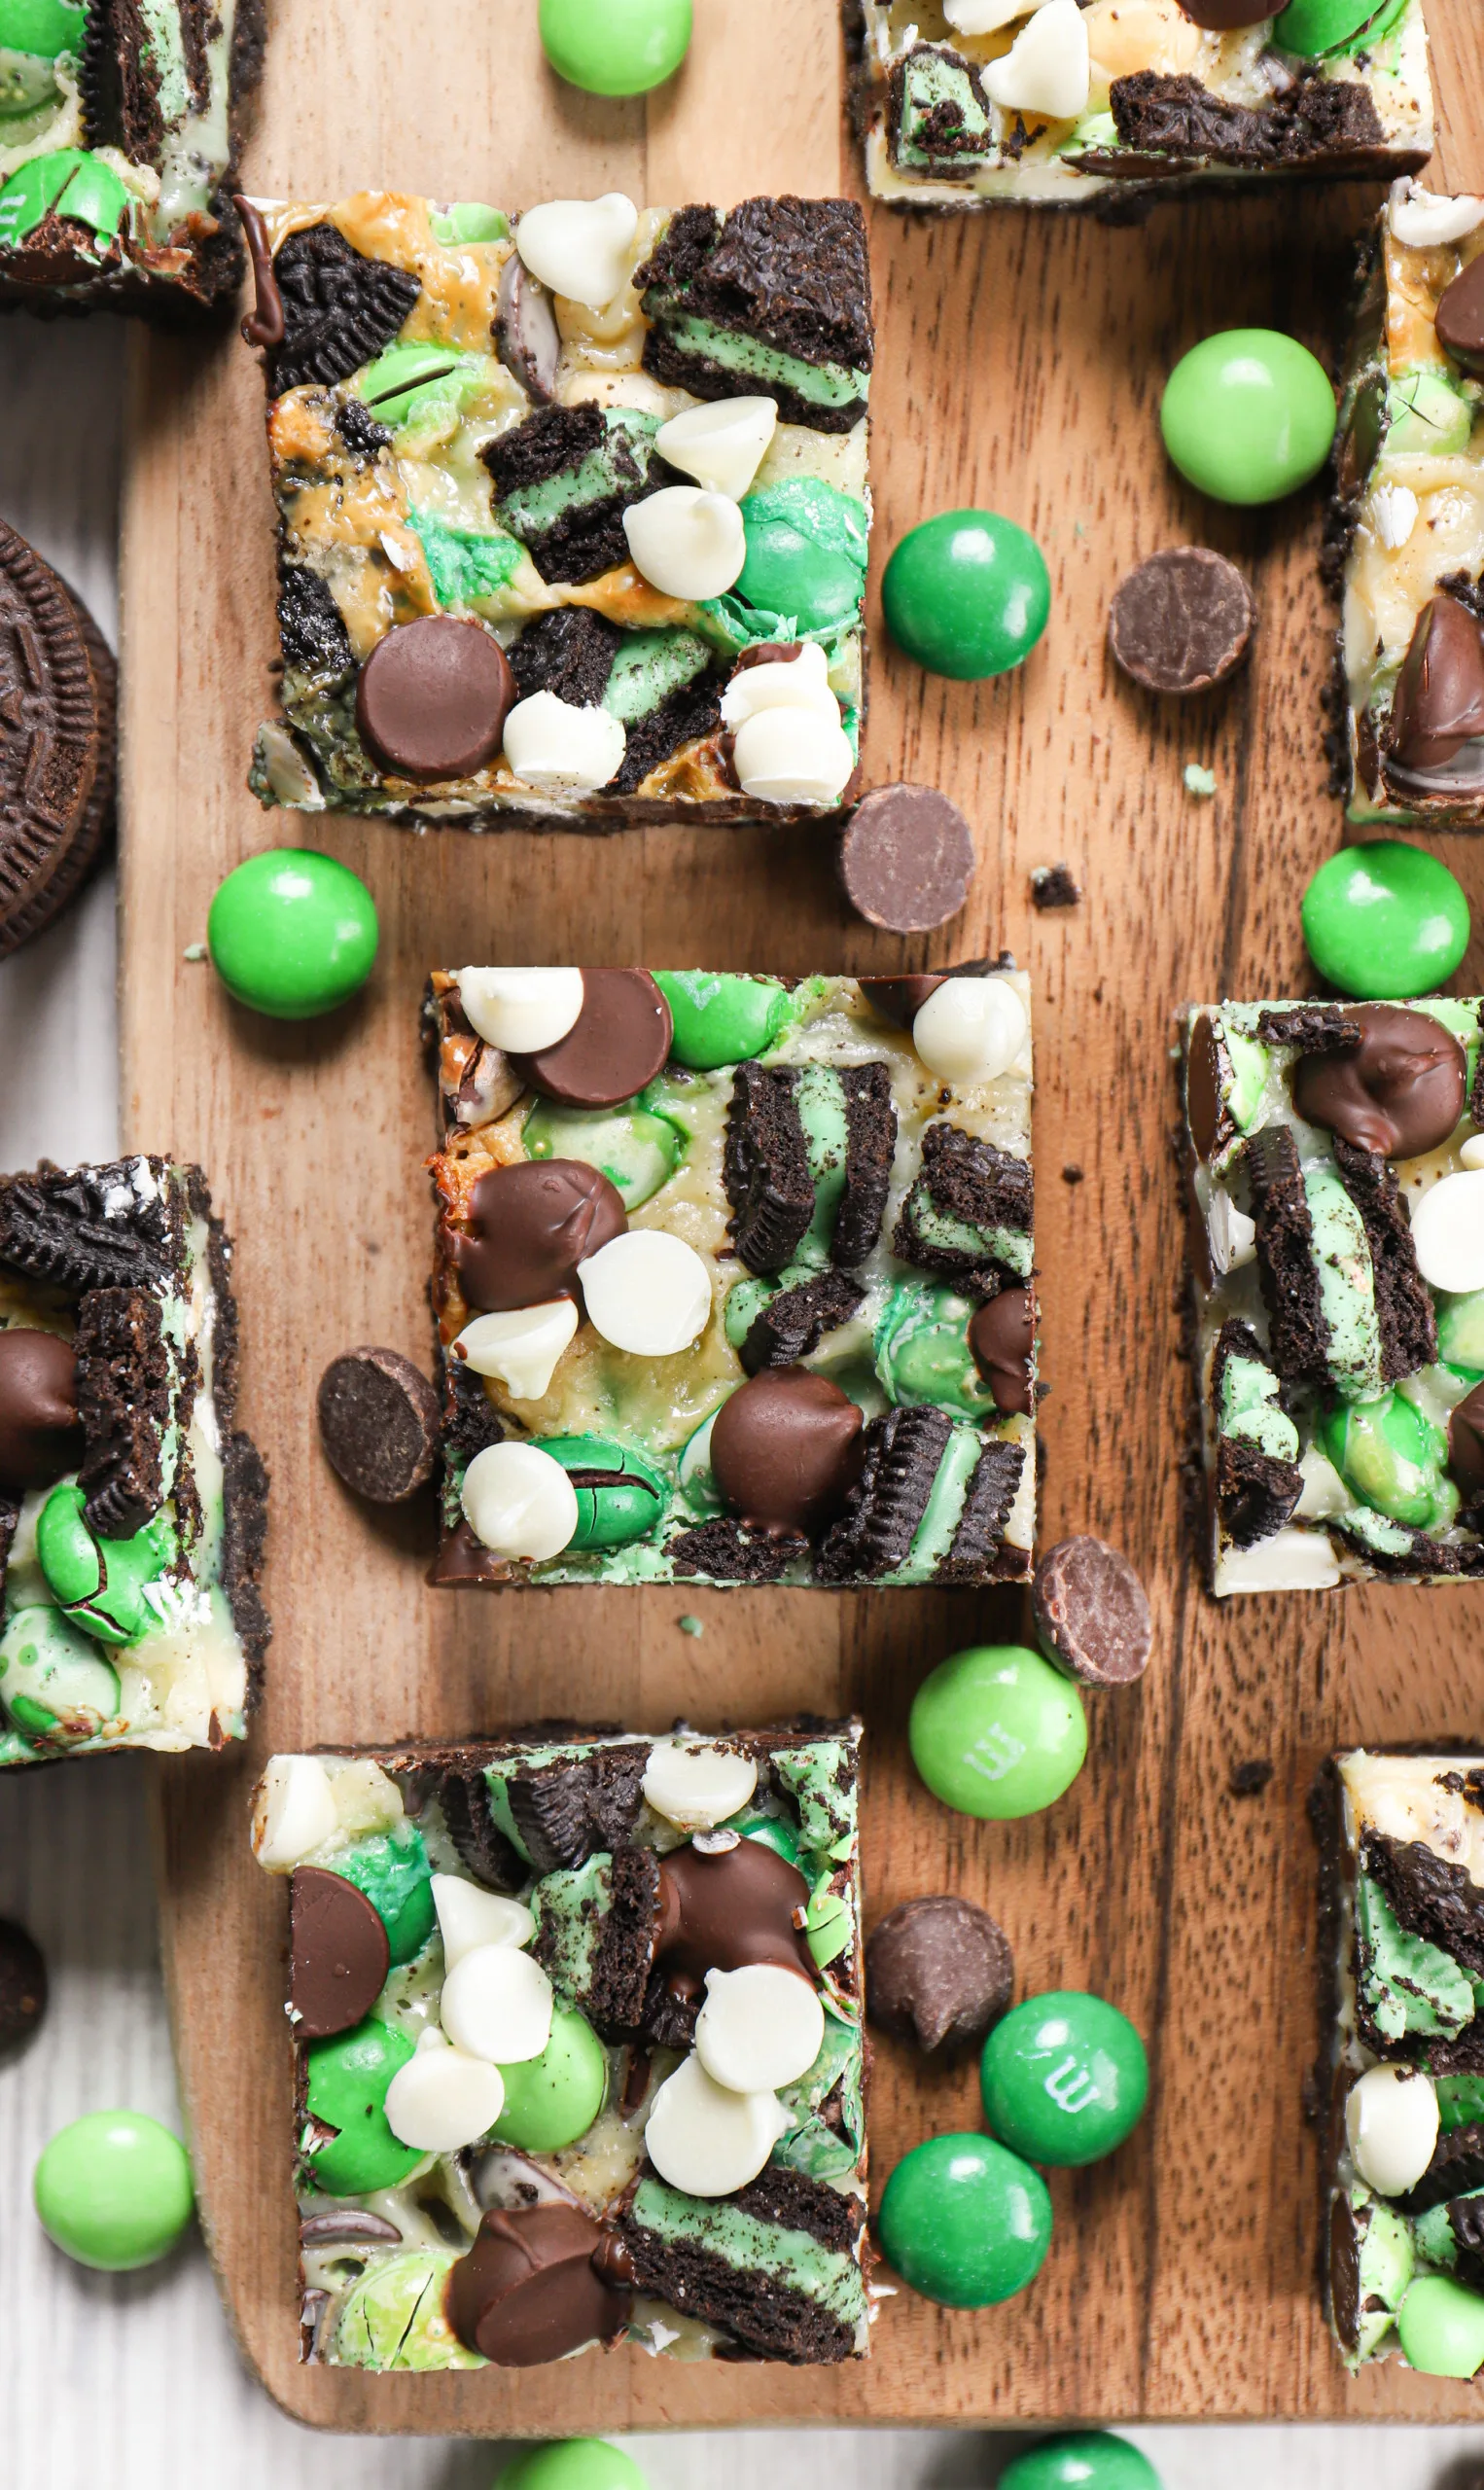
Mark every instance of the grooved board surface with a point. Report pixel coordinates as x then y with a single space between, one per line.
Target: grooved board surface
1020 363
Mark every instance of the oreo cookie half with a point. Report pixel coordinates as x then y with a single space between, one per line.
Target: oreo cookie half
808 1146
970 1212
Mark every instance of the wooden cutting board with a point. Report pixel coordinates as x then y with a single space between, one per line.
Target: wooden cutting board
1020 363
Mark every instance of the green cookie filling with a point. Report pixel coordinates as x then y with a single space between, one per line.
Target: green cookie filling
789 2257
832 385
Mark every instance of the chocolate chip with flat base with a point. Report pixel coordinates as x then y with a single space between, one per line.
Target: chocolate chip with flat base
433 698
379 1424
339 1956
906 859
1092 1617
23 1983
939 1972
1181 622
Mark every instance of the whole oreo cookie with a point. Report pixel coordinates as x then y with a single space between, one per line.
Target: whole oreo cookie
57 701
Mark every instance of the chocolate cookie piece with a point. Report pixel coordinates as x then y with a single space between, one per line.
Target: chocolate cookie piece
1400 1090
23 1983
688 715
338 1953
86 1228
530 2291
569 652
340 308
51 715
123 1377
793 1324
682 2261
77 861
433 698
1406 1316
1175 118
870 1146
565 1810
563 480
378 1421
468 1417
1432 1896
1439 704
311 628
968 1213
1181 622
1457 2165
789 274
489 1855
977 1553
1314 1028
1290 1290
905 860
1256 1492
1092 1614
722 1551
619 1041
874 1534
786 1451
765 1168
527 1229
938 1972
40 1437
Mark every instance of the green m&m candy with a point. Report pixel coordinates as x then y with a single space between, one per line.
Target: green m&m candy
573 2464
391 1869
114 2191
620 1498
1248 416
1314 28
551 2100
997 1731
1391 1457
722 1019
1084 2460
291 934
965 2222
1065 2079
1441 2328
54 1683
1385 921
615 47
967 595
347 2085
636 1150
100 1583
42 26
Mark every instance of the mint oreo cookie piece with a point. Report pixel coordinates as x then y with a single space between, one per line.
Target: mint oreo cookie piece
340 308
970 1212
565 476
772 299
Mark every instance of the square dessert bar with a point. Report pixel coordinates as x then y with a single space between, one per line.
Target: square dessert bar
578 2046
1337 1246
1408 522
120 129
131 1513
1403 1841
733 1284
962 103
485 608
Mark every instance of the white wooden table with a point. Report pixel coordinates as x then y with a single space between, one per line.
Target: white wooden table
131 2382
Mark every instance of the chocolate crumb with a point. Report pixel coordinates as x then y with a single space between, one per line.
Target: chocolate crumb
1054 887
1246 1780
1072 1174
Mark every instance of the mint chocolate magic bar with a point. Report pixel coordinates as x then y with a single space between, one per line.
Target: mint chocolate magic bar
578 2050
572 507
735 1277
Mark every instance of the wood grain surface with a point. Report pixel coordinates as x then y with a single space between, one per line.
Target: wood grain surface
1020 363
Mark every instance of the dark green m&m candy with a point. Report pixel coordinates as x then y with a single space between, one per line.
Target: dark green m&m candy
99 1582
965 2222
1084 2460
1065 2079
291 933
1248 416
1315 28
1385 921
346 2091
967 595
620 1498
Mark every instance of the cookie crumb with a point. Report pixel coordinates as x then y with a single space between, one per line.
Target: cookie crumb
193 951
692 1626
1072 1174
1247 1779
1054 887
1201 782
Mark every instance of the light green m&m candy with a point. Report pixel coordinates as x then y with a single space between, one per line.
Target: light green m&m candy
1392 1458
722 1019
551 2100
965 2222
573 2464
346 2091
391 1869
54 1683
1248 416
42 26
1313 29
636 1150
997 1731
1385 921
114 2191
1065 2079
615 47
1084 2460
1441 2328
293 933
967 595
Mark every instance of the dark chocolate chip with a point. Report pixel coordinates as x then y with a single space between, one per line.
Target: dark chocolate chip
22 1982
529 2290
718 1911
40 1437
1091 1613
618 1042
1001 1340
900 999
528 1227
264 324
1054 887
939 1972
378 1423
433 698
1461 317
1223 17
906 859
1466 1444
1204 1105
1399 1093
528 339
1183 620
786 1450
1246 1780
1439 700
338 1955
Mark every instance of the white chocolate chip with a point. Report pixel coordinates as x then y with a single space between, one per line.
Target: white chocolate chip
696 1787
722 444
1448 1233
647 1293
443 2099
1326 1495
1394 507
1390 2121
580 247
367 1799
561 748
518 1501
1048 67
788 755
1420 219
970 1028
761 2027
294 1812
685 542
800 682
497 2004
985 17
520 1348
1471 1151
521 1010
707 2141
1231 1235
468 1916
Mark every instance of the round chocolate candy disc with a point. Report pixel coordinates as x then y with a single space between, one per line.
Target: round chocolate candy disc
528 1228
906 859
338 1953
1183 620
619 1040
529 2290
1092 1617
378 1423
1399 1093
40 1437
786 1450
938 1972
1461 318
22 1982
433 698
